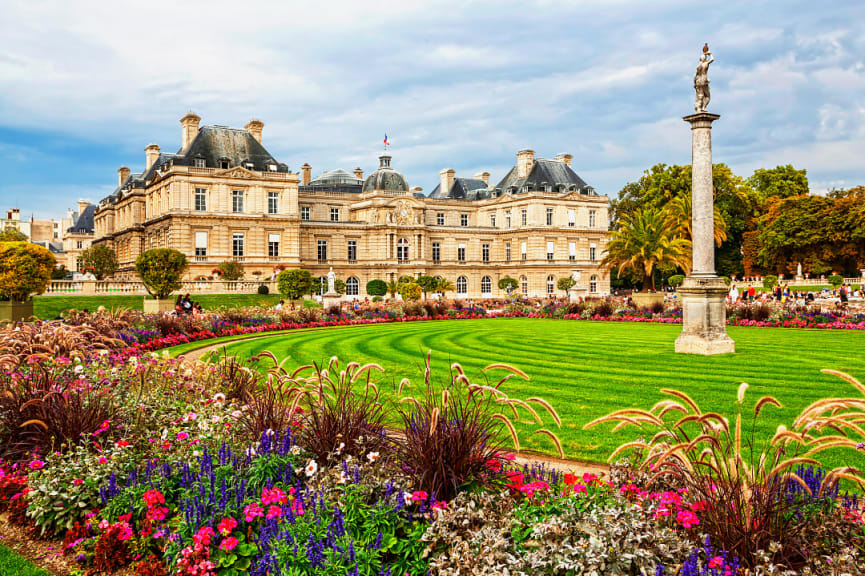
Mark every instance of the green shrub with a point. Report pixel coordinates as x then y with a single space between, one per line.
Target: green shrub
294 283
376 298
376 288
565 284
727 280
676 280
835 280
100 260
410 291
339 286
10 234
161 269
25 269
508 284
263 289
770 281
231 270
427 283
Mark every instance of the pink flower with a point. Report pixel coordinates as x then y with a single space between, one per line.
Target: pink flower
274 512
37 465
122 443
419 495
439 505
687 519
273 496
226 526
181 436
103 460
580 488
716 562
252 511
78 482
228 544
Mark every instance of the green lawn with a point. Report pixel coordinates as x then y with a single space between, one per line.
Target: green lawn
588 369
49 307
11 564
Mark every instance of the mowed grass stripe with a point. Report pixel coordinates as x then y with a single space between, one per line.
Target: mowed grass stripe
588 369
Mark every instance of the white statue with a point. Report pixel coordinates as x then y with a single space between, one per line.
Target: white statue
799 269
701 80
331 280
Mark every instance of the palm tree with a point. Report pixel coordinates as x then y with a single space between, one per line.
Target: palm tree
393 288
679 213
444 285
645 240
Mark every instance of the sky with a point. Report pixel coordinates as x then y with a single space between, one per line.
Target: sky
85 86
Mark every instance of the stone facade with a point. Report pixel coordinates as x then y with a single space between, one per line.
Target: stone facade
530 227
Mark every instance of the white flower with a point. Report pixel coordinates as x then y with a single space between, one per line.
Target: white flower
311 468
237 414
294 450
188 372
250 451
219 398
164 433
342 477
407 498
103 352
215 419
203 426
270 432
341 446
78 369
348 459
372 456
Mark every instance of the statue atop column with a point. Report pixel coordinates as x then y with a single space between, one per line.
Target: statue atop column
701 80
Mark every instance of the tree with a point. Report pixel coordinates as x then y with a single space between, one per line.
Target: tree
59 272
565 283
393 288
294 283
427 284
339 286
230 270
644 241
410 291
10 234
376 287
676 280
780 182
100 260
25 269
508 284
835 280
444 286
160 270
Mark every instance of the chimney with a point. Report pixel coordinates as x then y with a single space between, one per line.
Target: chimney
82 205
525 161
485 176
190 128
566 158
255 127
358 173
151 153
122 175
306 171
447 180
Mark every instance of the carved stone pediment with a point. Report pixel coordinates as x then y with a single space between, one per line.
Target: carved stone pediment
236 172
405 211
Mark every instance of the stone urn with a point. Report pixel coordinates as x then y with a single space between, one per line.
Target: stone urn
154 306
14 311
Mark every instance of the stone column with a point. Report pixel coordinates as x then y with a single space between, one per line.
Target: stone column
704 322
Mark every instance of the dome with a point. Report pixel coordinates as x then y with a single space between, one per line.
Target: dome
336 177
385 178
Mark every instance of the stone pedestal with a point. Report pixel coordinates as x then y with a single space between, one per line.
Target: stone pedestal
329 299
704 322
645 300
15 311
704 319
152 306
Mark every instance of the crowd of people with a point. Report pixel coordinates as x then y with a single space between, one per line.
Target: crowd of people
784 294
185 305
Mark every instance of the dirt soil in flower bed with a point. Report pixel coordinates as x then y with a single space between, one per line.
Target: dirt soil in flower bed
45 554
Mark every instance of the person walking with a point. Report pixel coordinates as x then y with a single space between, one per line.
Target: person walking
734 294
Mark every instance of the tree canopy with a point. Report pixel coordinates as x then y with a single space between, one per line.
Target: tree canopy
25 269
100 260
160 270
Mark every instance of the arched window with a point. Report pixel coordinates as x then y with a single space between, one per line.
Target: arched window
462 285
402 250
486 286
524 285
551 284
593 284
352 286
322 285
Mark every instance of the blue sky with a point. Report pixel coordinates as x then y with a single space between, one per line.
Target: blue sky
86 85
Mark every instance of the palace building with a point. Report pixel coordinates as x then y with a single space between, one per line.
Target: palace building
222 196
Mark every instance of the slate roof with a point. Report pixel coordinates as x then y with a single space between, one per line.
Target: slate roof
83 222
553 173
385 178
338 180
464 189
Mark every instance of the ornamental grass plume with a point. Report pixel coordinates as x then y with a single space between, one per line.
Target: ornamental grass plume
743 480
454 435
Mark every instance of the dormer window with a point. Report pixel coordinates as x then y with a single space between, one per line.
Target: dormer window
249 165
199 163
223 164
271 167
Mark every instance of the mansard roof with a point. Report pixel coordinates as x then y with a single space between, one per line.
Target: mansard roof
219 143
544 172
84 220
463 189
338 180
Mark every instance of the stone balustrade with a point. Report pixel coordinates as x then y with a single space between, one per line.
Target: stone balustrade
120 288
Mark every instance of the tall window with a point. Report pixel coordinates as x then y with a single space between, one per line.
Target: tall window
508 252
436 252
485 252
322 250
523 251
524 217
201 244
200 199
486 286
352 250
461 252
79 244
462 285
572 250
334 214
492 220
464 219
572 217
237 200
304 213
237 245
273 245
593 284
524 285
272 202
508 219
549 216
591 218
352 286
440 219
551 284
402 250
551 248
593 251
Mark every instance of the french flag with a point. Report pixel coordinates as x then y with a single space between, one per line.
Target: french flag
386 141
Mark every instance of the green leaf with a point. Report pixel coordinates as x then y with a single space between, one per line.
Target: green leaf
242 564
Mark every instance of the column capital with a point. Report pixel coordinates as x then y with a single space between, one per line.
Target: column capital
701 119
